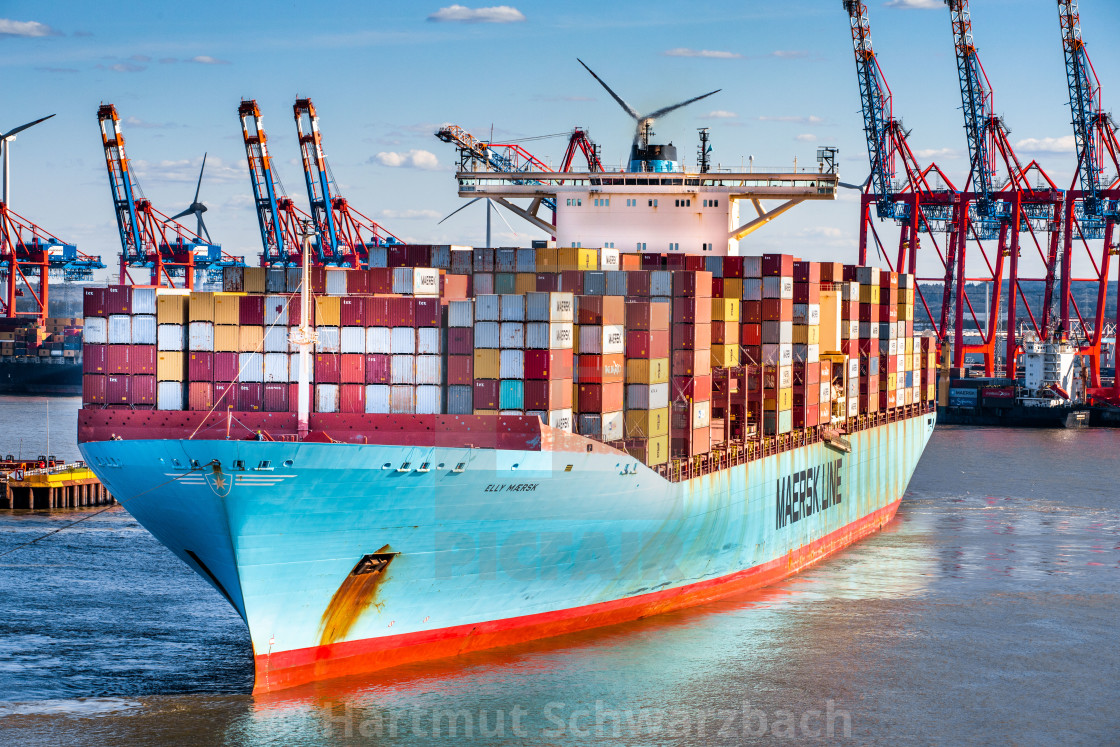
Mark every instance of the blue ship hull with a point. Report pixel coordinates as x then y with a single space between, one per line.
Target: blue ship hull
484 546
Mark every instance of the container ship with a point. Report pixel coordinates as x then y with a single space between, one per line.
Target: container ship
461 448
41 358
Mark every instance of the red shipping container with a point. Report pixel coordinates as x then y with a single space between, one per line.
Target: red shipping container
647 344
548 364
378 367
888 280
750 312
807 416
419 255
777 310
357 282
200 395
318 277
601 310
93 302
806 272
687 310
200 367
95 359
398 255
692 363
250 397
118 359
548 282
675 262
226 367
691 337
601 369
806 373
401 312
750 334
486 394
692 388
460 341
637 282
352 369
693 283
352 398
733 267
460 370
143 390
571 281
553 394
93 388
601 397
118 389
250 310
653 261
648 315
142 359
725 333
275 398
327 368
777 265
888 313
118 299
380 280
832 272
427 313
806 292
352 309
377 311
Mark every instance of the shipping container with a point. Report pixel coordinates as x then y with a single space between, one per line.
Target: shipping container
326 398
96 330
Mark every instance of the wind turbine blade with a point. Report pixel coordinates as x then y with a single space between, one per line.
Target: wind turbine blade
202 229
499 214
464 207
21 128
860 187
629 109
199 187
666 109
177 216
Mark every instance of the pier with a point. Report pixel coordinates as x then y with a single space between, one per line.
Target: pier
70 485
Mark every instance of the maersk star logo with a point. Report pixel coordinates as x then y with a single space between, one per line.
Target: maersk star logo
219 482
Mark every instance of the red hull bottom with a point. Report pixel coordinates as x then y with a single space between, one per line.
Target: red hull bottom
287 669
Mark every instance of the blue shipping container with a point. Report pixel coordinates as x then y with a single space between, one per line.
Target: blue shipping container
511 395
962 398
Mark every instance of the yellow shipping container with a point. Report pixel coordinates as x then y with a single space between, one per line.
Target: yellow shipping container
226 338
254 280
171 309
778 399
327 312
732 287
227 308
577 258
647 423
725 309
487 363
525 282
646 371
869 294
171 366
250 339
892 381
909 345
650 452
725 356
546 259
806 334
201 307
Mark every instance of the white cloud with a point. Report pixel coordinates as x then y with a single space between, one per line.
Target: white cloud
415 159
413 214
463 14
935 153
711 54
1064 144
32 29
806 137
915 4
144 125
186 170
721 114
205 59
789 54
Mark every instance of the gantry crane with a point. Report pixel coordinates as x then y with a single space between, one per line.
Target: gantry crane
345 234
148 237
1091 212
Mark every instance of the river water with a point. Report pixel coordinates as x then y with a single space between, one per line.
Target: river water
987 612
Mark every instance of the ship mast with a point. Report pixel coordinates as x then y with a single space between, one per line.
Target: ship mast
304 334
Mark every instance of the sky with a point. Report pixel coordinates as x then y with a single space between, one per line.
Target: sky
384 76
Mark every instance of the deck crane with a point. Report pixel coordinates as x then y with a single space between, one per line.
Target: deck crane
915 204
1001 206
346 235
279 219
149 238
1091 212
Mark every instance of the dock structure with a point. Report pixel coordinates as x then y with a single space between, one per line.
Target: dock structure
60 486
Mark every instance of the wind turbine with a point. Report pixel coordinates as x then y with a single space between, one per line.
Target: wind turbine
5 142
197 207
644 121
489 207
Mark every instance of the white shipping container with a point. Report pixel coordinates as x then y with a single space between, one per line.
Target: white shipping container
776 354
293 368
460 314
785 377
853 367
402 369
429 369
560 420
428 341
276 310
513 335
607 339
275 368
752 287
144 302
276 340
701 414
853 407
402 400
120 329
200 336
377 398
849 330
169 395
807 313
561 336
487 335
562 307
425 281
429 400
336 281
607 426
647 396
326 398
513 307
169 337
143 330
96 330
352 340
328 340
511 364
826 391
487 308
250 367
608 259
379 340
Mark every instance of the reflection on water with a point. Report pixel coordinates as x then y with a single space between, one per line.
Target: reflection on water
985 612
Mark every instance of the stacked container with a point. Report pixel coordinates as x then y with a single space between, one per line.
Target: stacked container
648 347
550 357
600 366
777 343
691 366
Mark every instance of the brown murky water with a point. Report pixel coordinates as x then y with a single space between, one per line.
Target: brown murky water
986 613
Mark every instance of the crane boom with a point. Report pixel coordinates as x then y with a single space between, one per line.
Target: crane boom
976 100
